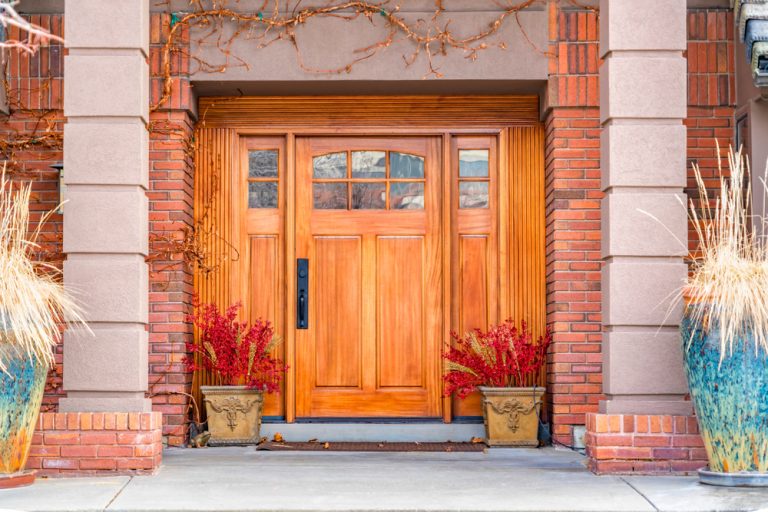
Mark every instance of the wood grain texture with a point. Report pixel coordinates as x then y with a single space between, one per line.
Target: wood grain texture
400 283
215 156
527 231
336 310
376 111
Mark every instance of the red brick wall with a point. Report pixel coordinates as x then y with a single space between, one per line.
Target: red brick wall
573 220
171 178
81 443
711 95
31 141
642 444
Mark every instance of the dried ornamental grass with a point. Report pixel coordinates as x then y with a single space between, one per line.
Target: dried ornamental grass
33 302
728 283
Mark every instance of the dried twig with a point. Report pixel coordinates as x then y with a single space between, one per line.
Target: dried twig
34 35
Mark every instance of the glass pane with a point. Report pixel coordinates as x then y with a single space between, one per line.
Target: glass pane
262 164
262 194
473 194
330 196
369 164
369 196
332 165
473 163
402 165
406 196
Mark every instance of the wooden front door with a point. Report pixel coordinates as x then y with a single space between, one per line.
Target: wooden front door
368 214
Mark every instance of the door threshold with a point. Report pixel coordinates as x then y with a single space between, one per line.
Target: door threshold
374 432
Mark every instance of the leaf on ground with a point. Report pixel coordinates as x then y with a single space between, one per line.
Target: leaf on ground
278 437
477 440
326 445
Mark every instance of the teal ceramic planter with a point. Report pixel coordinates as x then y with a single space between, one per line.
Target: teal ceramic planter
21 394
730 398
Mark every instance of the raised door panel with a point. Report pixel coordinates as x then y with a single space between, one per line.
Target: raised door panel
473 282
401 326
336 306
263 298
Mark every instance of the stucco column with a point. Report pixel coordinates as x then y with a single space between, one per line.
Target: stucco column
643 161
105 221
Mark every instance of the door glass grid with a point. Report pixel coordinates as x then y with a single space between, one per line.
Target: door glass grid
474 178
368 180
262 178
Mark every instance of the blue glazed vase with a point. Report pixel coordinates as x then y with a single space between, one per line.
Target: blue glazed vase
21 393
730 397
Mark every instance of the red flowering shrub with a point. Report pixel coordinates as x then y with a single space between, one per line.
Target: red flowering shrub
239 353
504 356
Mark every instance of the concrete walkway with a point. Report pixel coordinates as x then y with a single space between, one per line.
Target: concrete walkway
224 479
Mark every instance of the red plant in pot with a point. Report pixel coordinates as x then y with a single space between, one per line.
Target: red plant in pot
237 352
503 357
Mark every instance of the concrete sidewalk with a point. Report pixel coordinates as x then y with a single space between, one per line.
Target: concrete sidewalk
224 479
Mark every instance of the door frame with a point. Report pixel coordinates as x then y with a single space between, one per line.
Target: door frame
228 121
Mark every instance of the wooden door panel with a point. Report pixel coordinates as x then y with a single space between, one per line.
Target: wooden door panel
262 298
400 283
473 282
336 311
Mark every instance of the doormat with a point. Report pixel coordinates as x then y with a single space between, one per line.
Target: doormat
319 446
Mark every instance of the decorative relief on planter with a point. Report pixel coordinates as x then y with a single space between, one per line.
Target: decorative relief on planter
512 408
231 406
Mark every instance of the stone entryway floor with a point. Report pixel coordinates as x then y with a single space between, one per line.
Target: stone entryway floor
229 479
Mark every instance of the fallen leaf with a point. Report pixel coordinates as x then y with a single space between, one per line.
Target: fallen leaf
477 440
278 437
326 445
263 440
313 440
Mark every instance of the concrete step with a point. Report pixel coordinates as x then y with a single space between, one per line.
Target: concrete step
374 432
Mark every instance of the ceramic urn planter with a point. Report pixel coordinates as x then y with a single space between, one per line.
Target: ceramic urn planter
730 396
234 414
511 416
21 393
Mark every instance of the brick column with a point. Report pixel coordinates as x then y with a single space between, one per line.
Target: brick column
643 163
105 222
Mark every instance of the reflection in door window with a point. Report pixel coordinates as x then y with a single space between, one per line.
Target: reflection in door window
333 165
379 180
406 196
369 164
329 196
263 178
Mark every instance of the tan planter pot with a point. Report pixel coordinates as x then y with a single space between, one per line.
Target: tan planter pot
234 414
511 416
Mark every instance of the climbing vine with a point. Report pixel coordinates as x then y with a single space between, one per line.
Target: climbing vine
222 25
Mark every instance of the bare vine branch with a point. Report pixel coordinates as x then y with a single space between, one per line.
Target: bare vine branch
33 35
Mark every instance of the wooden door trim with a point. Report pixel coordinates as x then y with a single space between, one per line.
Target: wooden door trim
460 111
520 142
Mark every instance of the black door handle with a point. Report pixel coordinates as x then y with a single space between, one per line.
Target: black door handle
302 292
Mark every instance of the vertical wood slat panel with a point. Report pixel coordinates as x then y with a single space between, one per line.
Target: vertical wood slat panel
527 266
213 218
